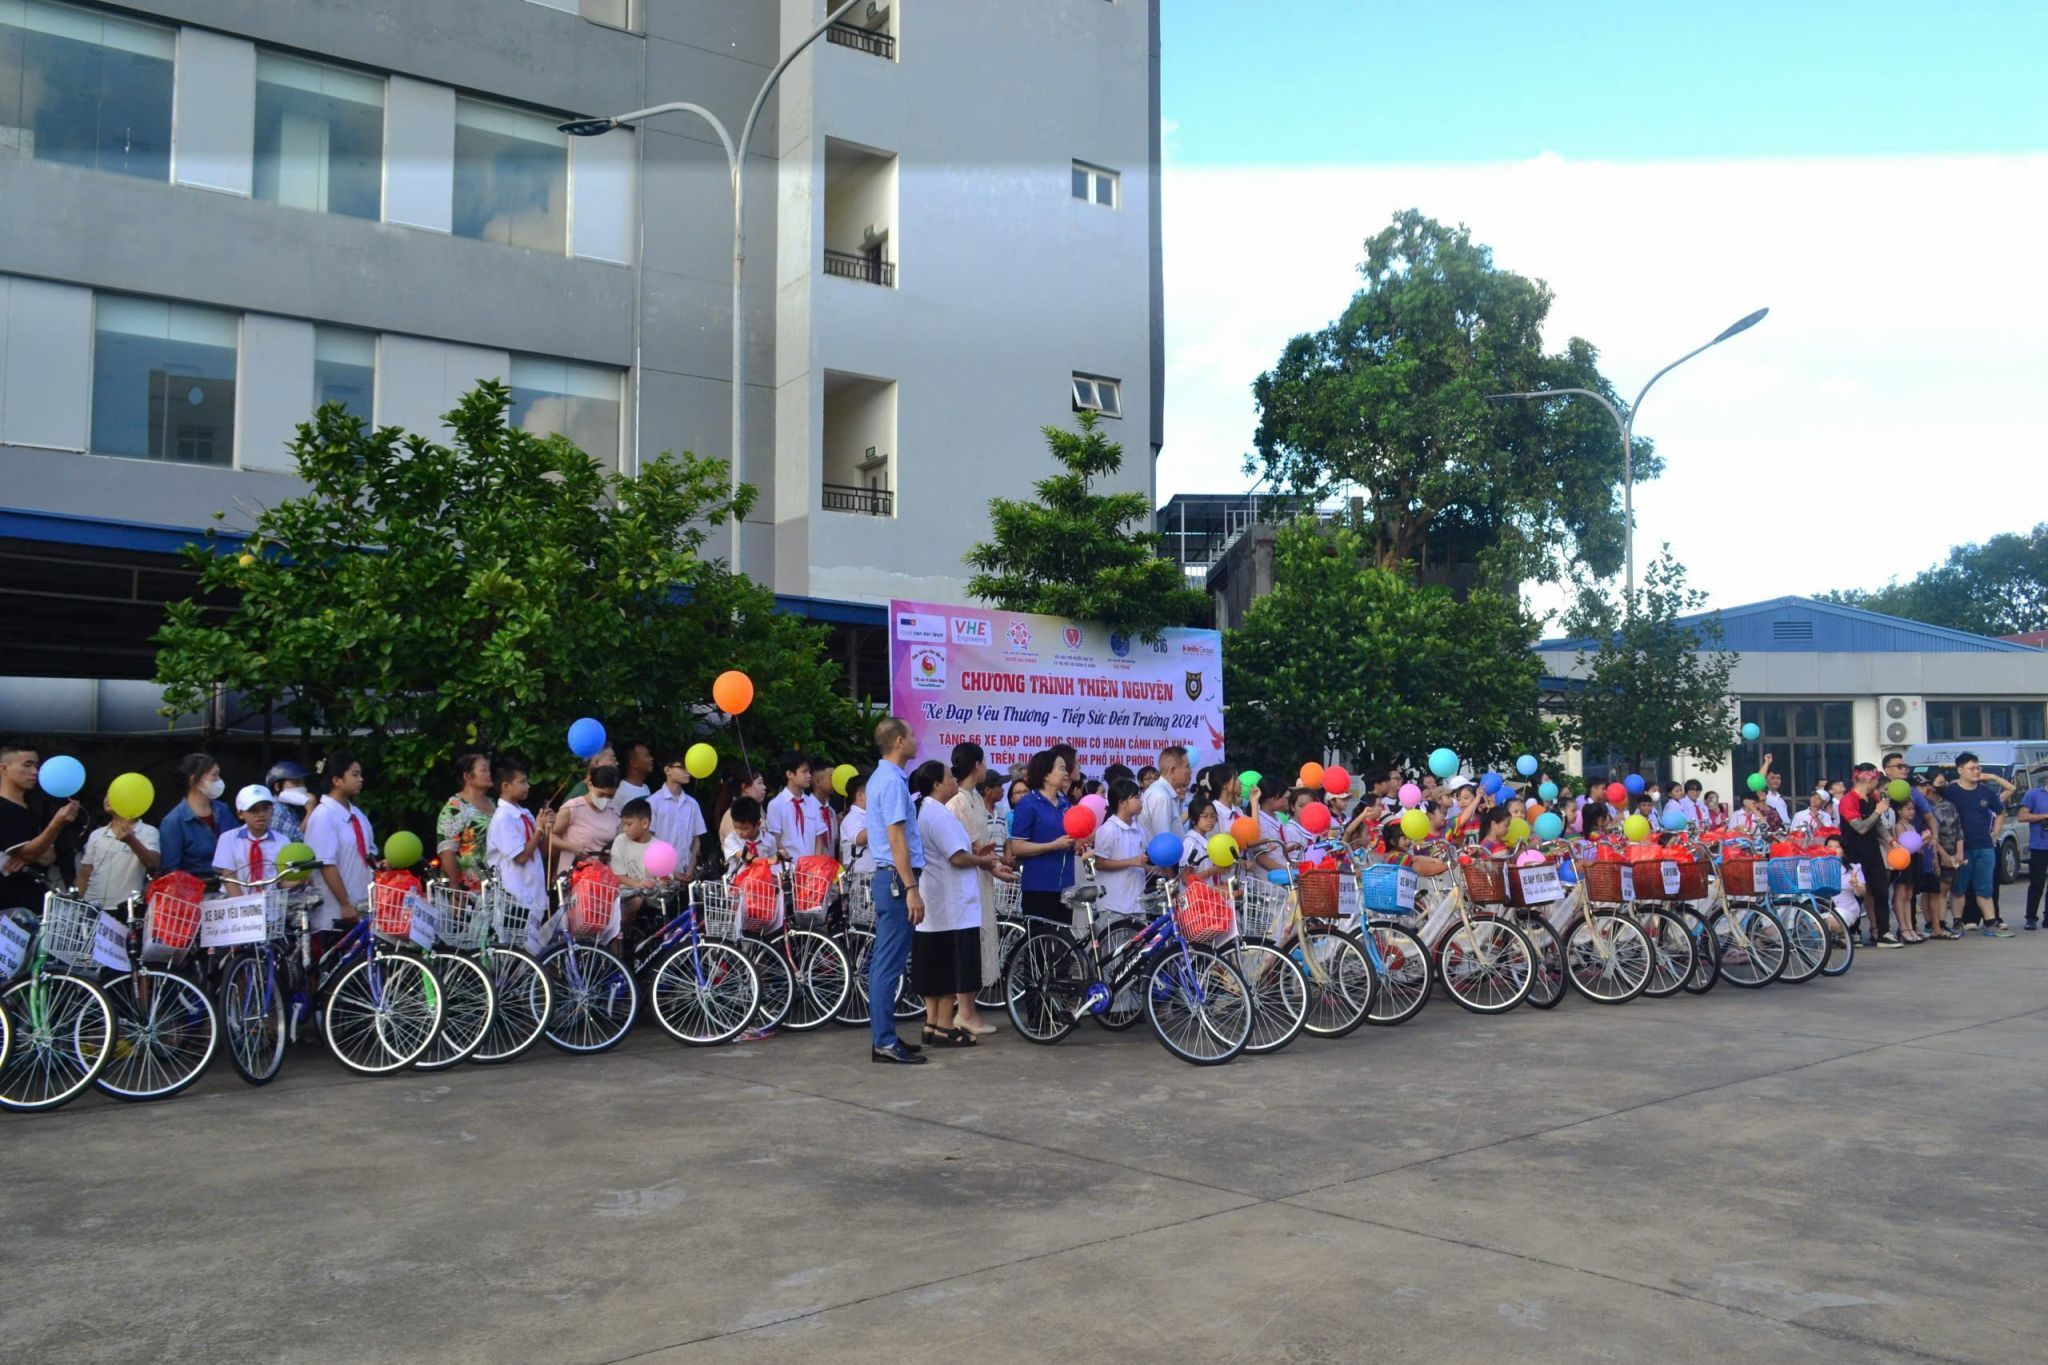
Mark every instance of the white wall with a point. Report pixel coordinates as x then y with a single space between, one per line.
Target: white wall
273 390
45 364
418 380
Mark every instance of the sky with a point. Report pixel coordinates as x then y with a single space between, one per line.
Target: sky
1876 174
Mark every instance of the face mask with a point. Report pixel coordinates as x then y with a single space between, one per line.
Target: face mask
214 789
599 802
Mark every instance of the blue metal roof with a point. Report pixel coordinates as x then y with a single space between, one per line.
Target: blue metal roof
1805 625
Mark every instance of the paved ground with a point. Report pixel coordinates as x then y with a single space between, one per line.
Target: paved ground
1839 1171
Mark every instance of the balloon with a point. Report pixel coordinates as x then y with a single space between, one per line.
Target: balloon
1910 840
1491 783
1222 850
1410 794
130 796
1443 763
1898 860
732 691
1245 830
1415 825
1097 803
1636 828
586 737
843 775
1750 732
61 776
1528 857
1757 782
1164 850
659 858
1675 818
1280 876
1635 784
1898 789
403 849
1336 781
1526 765
1518 830
1548 791
295 862
1549 825
1315 817
1311 775
1079 822
701 760
1616 793
1249 778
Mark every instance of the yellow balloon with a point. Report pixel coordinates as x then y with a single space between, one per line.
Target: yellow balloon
245 561
1415 824
842 775
1222 850
1518 830
130 796
1636 827
701 760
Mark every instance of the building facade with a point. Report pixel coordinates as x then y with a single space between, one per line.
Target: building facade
223 212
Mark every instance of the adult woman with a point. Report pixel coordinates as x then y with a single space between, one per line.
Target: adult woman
1039 843
465 822
974 806
588 823
945 950
746 782
1019 789
188 833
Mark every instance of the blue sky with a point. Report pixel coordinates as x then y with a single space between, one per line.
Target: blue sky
1876 174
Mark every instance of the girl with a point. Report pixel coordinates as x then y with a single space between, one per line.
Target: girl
1194 847
1493 829
945 950
1120 852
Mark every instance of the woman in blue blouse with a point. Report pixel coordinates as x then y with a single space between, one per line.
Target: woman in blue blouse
188 832
1039 841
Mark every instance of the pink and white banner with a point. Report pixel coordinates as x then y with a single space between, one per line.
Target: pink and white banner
1016 683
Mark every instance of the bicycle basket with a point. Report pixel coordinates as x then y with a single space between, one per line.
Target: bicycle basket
760 898
1738 876
810 885
1009 900
67 930
390 916
1389 889
508 918
860 900
718 909
1317 890
1264 914
1205 913
1793 876
1486 881
1827 876
1655 882
593 908
171 921
277 904
1604 882
459 916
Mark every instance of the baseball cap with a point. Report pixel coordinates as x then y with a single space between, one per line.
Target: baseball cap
252 796
1457 783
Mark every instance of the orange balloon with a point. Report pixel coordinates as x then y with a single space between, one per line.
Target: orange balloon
1535 809
1245 829
1898 859
733 691
1311 775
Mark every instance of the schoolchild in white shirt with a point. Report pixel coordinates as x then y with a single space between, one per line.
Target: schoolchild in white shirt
248 855
1120 851
512 844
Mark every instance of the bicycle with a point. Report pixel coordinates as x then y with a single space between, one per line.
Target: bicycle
1792 895
1485 962
1269 918
1341 969
1009 910
1745 937
60 1025
254 973
165 1028
703 989
469 997
1387 895
858 903
1631 934
595 999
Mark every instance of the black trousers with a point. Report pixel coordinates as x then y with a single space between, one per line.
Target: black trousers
2037 880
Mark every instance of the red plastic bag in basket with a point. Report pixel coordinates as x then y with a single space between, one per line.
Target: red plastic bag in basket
174 908
760 898
812 881
390 915
593 893
1206 915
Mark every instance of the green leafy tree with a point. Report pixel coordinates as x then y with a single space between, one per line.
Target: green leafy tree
1998 587
1391 403
1656 684
422 599
1348 656
1081 554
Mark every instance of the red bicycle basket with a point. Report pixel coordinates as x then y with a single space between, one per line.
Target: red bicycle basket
389 914
812 881
760 898
1486 880
1206 914
1316 890
1738 876
1692 882
174 908
1603 881
593 891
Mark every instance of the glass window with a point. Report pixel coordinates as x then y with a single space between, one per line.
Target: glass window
1940 725
345 370
1093 182
85 88
319 137
613 13
1806 720
2031 723
1834 719
163 381
2001 721
511 177
562 398
1092 394
1969 720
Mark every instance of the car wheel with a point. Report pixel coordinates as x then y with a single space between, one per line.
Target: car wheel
2009 861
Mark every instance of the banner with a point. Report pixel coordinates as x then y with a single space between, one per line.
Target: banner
1016 683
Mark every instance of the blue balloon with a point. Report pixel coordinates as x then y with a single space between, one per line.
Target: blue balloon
1526 765
61 776
1547 792
586 737
1750 732
1549 826
1280 876
1443 763
1164 850
1634 783
1490 783
1566 873
1675 817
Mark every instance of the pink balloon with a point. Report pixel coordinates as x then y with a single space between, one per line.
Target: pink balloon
660 859
1529 856
1411 795
1098 804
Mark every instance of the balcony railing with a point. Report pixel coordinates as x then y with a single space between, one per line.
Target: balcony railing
862 40
871 269
871 502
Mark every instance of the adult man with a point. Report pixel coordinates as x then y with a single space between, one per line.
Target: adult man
636 765
2034 815
27 845
1166 802
1863 844
898 906
1983 816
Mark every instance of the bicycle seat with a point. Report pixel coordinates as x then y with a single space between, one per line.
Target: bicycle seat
1080 895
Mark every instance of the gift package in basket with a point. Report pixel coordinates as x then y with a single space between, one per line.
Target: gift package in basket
810 885
759 896
171 920
390 916
1206 914
593 908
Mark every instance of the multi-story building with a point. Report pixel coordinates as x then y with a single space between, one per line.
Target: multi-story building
219 213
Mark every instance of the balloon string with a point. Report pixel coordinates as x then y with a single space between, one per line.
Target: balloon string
742 736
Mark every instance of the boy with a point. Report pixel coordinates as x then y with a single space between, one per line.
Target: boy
792 822
748 840
1120 851
675 816
1274 855
248 856
118 858
287 782
821 805
636 765
512 846
854 853
629 856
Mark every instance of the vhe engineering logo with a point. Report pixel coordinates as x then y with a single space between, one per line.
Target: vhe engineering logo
1119 644
1072 635
928 670
920 627
971 630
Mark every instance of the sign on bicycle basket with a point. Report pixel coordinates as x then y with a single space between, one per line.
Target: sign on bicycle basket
540 932
1540 885
13 947
231 921
110 943
422 921
1628 882
1671 878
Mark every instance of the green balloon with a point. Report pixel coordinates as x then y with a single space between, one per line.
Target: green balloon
295 862
1756 782
1250 777
403 849
1899 790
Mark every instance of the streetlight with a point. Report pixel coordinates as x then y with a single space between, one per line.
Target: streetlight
735 157
1626 426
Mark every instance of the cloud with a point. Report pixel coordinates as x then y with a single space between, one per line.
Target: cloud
1884 411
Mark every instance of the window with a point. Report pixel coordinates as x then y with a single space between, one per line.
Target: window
511 177
1092 393
611 13
562 398
1808 741
1095 184
319 137
345 370
1962 721
163 381
85 88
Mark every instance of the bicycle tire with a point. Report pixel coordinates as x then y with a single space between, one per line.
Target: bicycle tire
1127 1007
1406 977
704 993
1546 987
860 948
521 1002
1841 943
165 1035
596 999
819 979
1279 995
77 1024
1044 986
1706 964
377 1025
1763 961
1009 933
1618 974
1494 966
253 1031
1671 939
1205 1003
778 983
1806 944
1341 997
468 1002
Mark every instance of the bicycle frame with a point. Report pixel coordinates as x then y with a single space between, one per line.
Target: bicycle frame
1121 967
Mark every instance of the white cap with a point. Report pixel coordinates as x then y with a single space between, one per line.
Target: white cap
251 796
294 796
1458 783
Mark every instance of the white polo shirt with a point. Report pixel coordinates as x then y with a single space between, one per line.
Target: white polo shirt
791 822
341 838
231 854
1121 889
526 883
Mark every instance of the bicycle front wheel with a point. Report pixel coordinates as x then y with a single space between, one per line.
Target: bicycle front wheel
1341 991
468 1003
1488 966
595 998
63 1035
819 979
165 1032
778 983
521 1002
1045 987
1706 963
1279 995
252 1020
1405 975
1009 933
1841 942
704 993
1750 943
1200 1007
1609 961
1547 988
382 1013
1673 943
1806 945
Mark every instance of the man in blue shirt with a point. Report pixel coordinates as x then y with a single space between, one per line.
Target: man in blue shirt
2034 815
899 857
1983 814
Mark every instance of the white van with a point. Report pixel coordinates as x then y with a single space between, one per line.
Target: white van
2020 762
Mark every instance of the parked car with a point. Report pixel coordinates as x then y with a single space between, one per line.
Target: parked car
2020 762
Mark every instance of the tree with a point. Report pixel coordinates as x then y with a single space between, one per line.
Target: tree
1656 684
1999 587
1080 554
1391 401
1347 656
422 599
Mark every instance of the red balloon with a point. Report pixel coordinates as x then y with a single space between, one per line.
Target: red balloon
1080 822
1336 781
1315 817
1617 795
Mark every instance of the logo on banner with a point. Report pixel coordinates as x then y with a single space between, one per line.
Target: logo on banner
1072 635
971 630
1020 636
928 670
1194 686
919 626
1119 643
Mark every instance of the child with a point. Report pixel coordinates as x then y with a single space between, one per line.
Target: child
117 860
629 856
854 853
1120 852
1493 829
793 820
1400 851
1274 857
1194 847
248 856
512 845
1849 900
675 816
1293 838
748 841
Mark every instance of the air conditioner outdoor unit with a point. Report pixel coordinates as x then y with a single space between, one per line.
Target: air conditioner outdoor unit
869 235
1901 721
877 13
